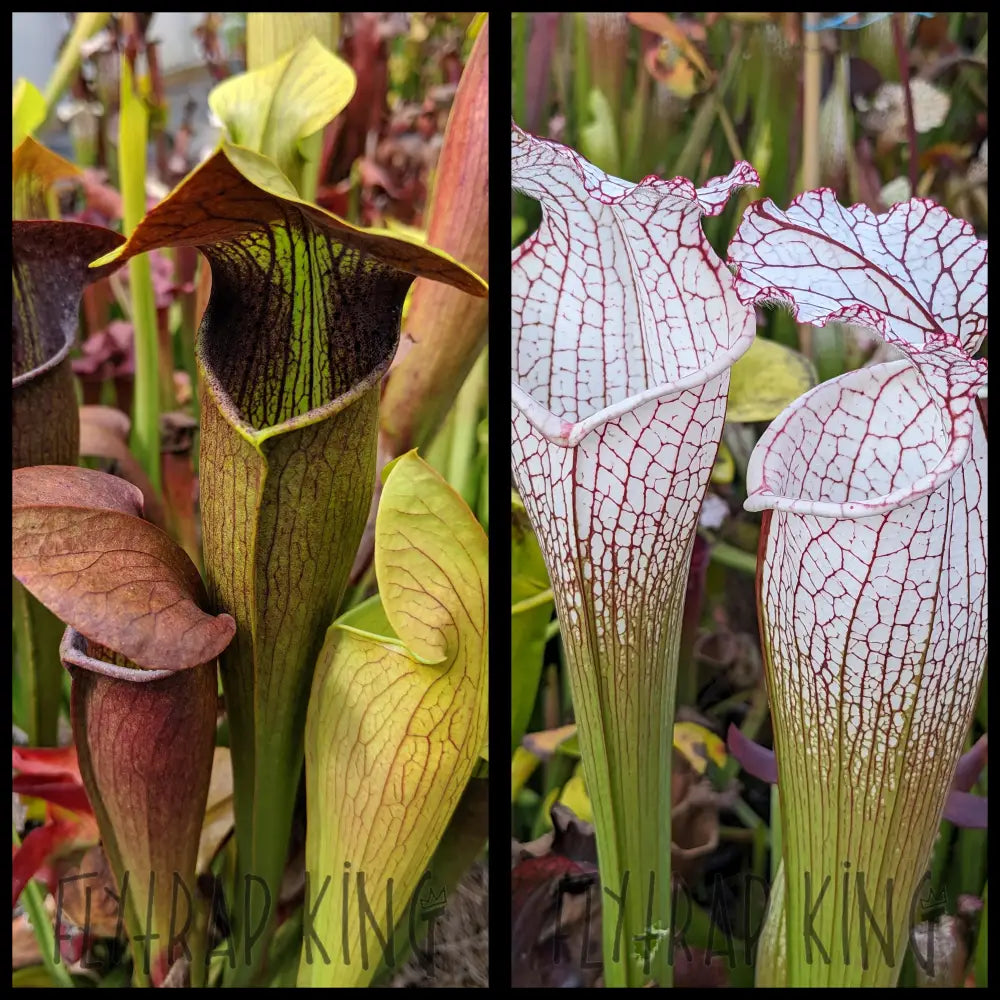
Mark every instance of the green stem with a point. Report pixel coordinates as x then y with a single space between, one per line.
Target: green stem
85 26
899 41
132 135
462 472
262 845
636 125
311 149
624 698
982 960
283 959
37 634
519 48
535 601
746 815
41 924
728 555
581 76
812 72
701 127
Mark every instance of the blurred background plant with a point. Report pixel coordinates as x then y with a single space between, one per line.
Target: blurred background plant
123 97
878 107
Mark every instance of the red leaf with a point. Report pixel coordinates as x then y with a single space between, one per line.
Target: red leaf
65 794
36 848
55 762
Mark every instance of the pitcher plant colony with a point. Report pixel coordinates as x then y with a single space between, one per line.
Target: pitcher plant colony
629 335
748 488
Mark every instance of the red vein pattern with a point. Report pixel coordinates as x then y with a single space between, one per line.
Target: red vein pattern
624 324
872 583
145 752
916 276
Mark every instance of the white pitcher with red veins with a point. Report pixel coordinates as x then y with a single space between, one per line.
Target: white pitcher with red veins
624 325
872 583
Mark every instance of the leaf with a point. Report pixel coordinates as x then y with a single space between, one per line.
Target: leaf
753 758
448 329
396 720
528 579
145 750
765 380
301 325
37 671
523 764
33 975
599 137
677 63
574 796
545 743
51 774
272 109
88 894
271 35
650 290
699 746
724 467
104 434
219 810
981 958
63 794
872 577
237 195
28 109
42 843
35 171
49 271
914 275
46 762
80 546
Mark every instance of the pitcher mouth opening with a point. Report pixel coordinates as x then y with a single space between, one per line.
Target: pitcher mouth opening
569 433
788 470
73 653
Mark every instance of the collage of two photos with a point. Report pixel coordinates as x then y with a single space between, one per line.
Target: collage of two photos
264 684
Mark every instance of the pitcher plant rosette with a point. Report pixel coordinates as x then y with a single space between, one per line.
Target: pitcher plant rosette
142 654
872 574
624 324
302 324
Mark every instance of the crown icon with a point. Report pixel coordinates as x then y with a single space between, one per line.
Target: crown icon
432 900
